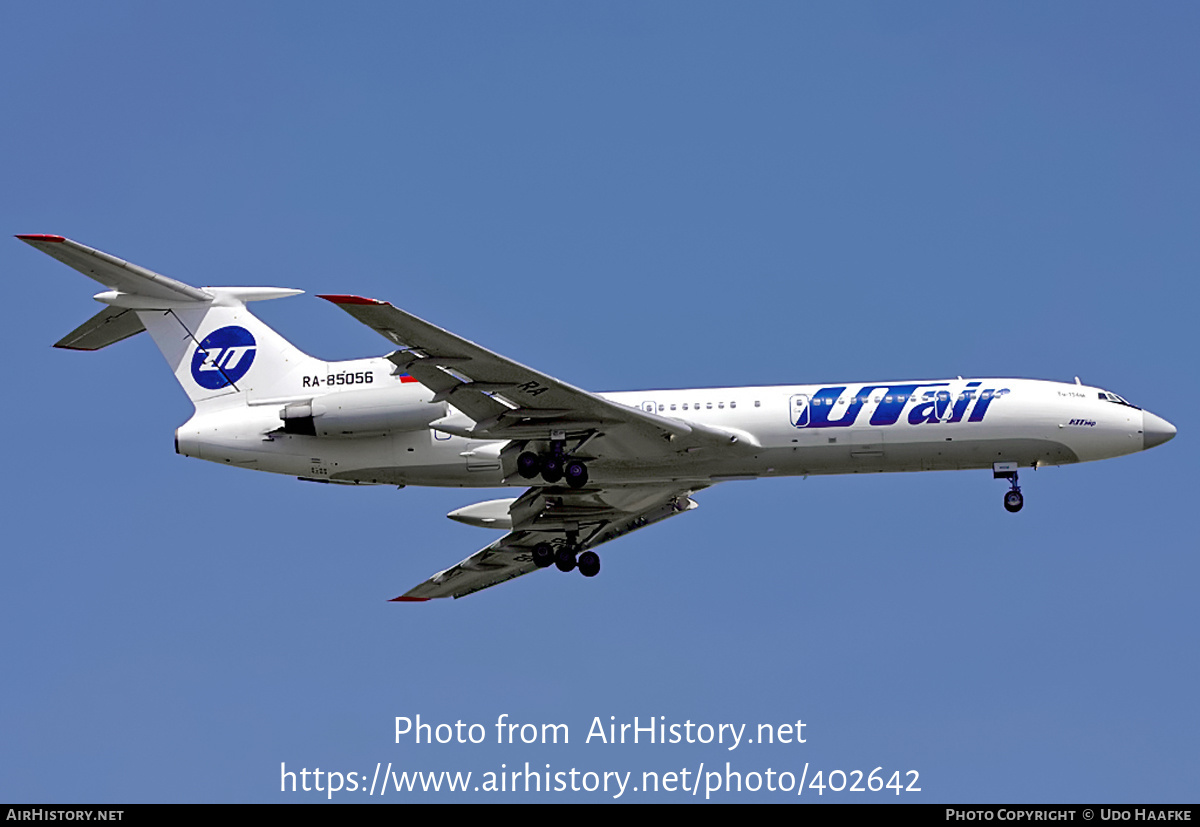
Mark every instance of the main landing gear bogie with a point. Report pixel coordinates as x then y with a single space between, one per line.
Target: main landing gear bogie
566 558
552 468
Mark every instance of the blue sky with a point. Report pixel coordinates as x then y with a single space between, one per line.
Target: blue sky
626 196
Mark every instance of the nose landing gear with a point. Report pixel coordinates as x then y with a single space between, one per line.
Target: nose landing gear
1013 499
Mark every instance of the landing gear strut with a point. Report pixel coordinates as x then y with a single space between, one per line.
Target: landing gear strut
1013 500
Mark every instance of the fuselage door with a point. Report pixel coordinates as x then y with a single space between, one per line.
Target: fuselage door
799 410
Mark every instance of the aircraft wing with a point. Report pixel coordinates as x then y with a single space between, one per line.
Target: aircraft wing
507 400
541 515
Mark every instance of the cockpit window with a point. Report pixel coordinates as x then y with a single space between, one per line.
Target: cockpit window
1112 397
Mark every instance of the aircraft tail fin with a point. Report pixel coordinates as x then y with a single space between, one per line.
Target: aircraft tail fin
218 350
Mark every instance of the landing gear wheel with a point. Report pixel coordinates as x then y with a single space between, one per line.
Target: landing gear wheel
552 469
589 564
529 465
564 558
543 555
576 473
1013 501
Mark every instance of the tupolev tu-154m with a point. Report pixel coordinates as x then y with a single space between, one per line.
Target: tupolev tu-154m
440 410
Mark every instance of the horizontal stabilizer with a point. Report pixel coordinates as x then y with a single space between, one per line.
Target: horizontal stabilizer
113 272
110 325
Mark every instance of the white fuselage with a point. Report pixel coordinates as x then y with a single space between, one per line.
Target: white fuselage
832 428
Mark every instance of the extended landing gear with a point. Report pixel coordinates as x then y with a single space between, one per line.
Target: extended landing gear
589 564
565 558
543 555
576 473
1013 500
529 465
552 467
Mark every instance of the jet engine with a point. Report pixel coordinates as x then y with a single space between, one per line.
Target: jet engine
361 413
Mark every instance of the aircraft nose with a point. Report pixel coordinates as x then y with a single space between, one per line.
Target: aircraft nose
1155 430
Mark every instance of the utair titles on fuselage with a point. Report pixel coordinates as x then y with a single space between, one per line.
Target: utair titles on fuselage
933 403
441 410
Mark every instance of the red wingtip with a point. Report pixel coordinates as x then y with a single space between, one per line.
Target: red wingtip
344 299
40 237
403 599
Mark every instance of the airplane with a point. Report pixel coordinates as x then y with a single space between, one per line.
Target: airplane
439 410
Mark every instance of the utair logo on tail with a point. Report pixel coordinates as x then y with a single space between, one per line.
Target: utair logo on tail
223 357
